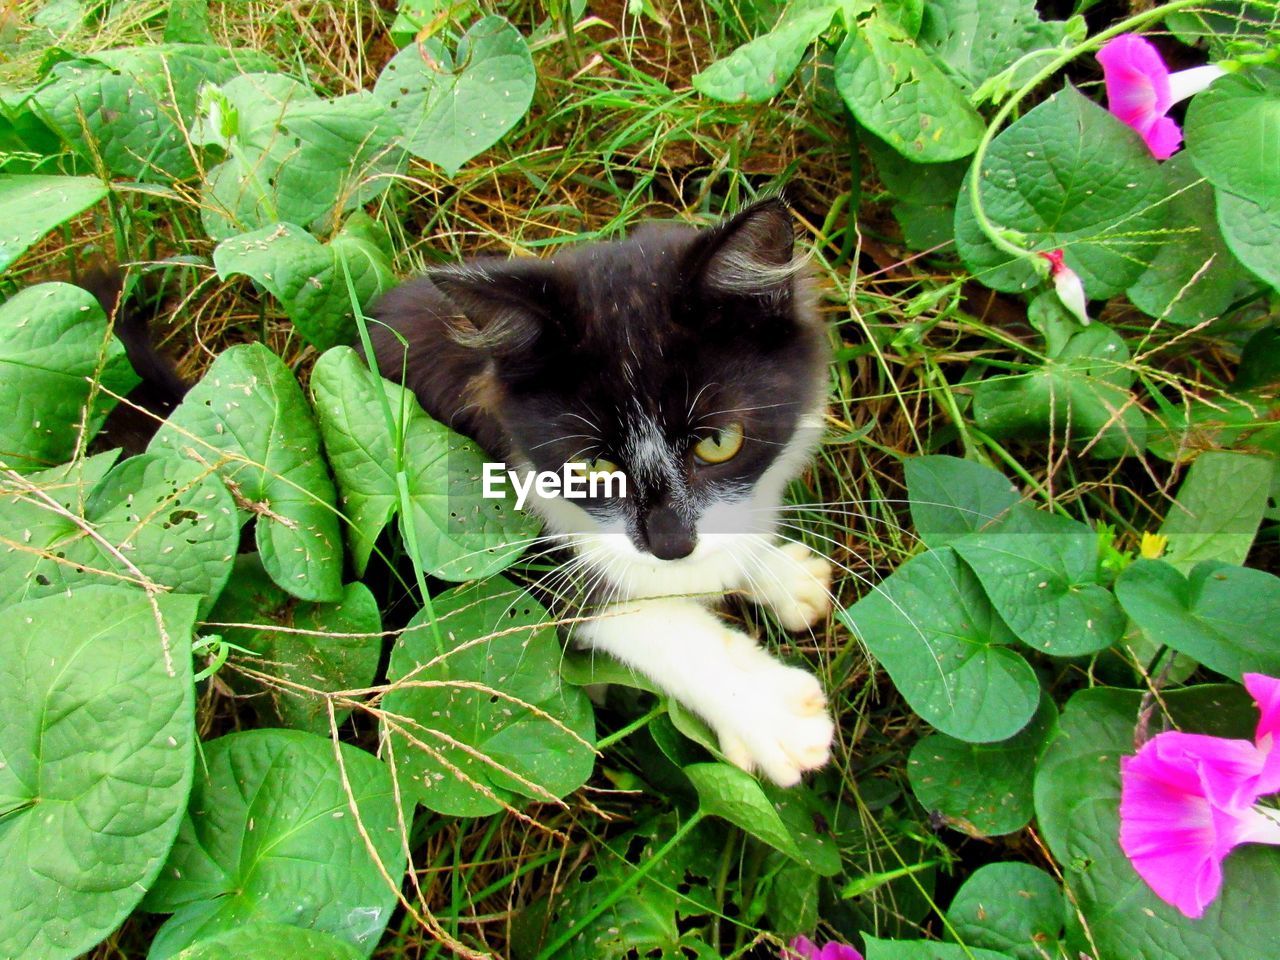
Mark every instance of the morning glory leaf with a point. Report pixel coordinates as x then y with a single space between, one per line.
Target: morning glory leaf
1232 130
31 206
757 70
1252 232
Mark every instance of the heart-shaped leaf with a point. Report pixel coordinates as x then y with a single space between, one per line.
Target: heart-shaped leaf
1220 615
1012 906
248 420
306 276
898 93
757 70
323 646
54 338
983 789
1067 175
460 535
932 628
1232 129
1077 797
271 835
154 519
951 497
451 108
1252 231
1218 508
97 741
478 713
31 206
271 941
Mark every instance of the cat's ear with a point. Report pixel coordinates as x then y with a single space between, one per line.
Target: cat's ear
507 305
750 254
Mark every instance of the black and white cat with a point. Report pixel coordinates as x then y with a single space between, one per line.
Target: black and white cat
694 362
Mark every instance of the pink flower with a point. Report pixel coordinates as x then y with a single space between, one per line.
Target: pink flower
1187 800
1141 90
1068 285
802 948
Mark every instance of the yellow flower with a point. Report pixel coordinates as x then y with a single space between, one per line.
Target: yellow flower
1152 545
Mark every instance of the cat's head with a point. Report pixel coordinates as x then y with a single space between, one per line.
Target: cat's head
691 361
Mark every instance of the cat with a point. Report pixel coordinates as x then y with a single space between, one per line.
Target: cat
694 363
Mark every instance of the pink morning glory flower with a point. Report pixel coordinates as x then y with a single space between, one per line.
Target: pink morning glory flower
802 948
1068 285
1187 800
1141 90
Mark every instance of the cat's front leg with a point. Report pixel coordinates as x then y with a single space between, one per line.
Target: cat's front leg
793 582
767 715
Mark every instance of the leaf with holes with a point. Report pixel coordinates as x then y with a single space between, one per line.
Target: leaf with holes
932 628
977 39
307 278
97 743
156 519
478 716
1013 907
1045 586
1077 797
452 108
324 646
1223 616
983 789
31 206
248 420
271 836
1067 175
898 93
1195 277
757 70
54 338
460 534
271 941
1080 396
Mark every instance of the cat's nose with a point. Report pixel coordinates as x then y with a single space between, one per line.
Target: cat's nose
668 535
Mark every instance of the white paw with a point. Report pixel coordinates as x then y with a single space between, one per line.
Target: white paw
796 586
774 720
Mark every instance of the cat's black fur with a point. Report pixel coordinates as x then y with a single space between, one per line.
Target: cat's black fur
672 330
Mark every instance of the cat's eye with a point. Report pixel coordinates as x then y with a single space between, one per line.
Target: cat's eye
597 466
722 445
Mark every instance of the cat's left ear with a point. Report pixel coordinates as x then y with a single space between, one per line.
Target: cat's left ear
750 254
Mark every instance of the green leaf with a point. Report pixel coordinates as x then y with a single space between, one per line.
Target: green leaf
1045 586
1077 799
131 107
1067 175
983 789
950 497
736 796
1220 615
1012 906
306 276
1248 422
271 941
1224 23
484 718
154 519
897 92
295 157
271 836
925 950
97 744
54 338
977 39
247 419
453 108
1231 131
1218 508
31 206
932 628
1080 396
325 655
925 193
1195 277
1259 360
757 70
1252 231
460 535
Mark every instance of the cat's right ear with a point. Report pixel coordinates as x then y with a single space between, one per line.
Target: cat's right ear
505 306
